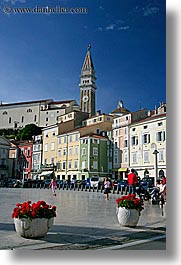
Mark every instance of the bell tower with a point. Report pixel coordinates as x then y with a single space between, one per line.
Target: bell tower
87 85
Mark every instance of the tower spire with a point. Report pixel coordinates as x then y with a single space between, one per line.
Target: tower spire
87 85
88 63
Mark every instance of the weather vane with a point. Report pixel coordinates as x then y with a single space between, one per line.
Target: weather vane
89 47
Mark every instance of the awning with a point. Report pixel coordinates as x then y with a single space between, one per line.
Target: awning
122 169
46 173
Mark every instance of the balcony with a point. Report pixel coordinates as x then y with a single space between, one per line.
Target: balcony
120 124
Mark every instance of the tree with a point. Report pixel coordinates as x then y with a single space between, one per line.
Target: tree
28 131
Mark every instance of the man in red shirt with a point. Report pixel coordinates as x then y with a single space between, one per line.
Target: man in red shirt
132 180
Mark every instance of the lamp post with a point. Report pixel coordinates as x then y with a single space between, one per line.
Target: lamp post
156 164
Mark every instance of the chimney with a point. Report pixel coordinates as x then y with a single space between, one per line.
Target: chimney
98 112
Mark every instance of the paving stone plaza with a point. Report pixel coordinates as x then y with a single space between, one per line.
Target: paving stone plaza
85 220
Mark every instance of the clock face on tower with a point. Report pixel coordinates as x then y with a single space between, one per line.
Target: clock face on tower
85 98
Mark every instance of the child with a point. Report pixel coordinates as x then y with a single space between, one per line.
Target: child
53 185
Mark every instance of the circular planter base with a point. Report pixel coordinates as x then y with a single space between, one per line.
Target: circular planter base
34 228
127 217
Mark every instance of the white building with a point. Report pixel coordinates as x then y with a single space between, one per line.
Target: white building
40 112
148 145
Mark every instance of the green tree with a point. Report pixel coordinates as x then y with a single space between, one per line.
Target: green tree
28 131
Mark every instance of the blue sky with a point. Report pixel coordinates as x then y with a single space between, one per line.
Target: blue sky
42 54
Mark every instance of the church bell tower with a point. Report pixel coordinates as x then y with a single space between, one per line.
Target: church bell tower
87 85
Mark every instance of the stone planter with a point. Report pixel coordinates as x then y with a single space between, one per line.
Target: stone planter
37 227
127 217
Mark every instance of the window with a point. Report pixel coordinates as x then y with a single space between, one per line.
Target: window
116 157
22 151
64 139
95 165
76 150
28 152
35 117
70 138
29 110
134 157
46 134
76 164
134 129
53 133
46 119
52 160
63 165
5 113
84 141
83 151
125 143
22 119
45 161
46 147
146 138
70 151
126 118
64 151
125 156
95 151
160 136
59 152
134 140
83 164
146 156
69 164
52 146
160 123
9 119
145 127
76 137
59 140
160 155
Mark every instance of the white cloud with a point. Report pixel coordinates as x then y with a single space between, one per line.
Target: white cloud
100 29
124 28
111 27
150 11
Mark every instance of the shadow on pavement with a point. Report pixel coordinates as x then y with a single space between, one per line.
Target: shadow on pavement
74 237
7 227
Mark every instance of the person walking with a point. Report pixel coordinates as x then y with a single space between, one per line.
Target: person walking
53 185
132 180
107 187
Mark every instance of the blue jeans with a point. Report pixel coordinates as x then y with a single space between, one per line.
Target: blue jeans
132 189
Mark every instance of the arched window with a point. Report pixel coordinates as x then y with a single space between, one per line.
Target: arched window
161 173
29 110
5 113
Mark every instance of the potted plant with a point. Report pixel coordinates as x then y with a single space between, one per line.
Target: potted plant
33 219
128 210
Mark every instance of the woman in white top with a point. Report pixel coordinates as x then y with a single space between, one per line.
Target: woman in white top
107 187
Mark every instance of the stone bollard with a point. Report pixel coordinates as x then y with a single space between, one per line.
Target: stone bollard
117 189
121 190
126 190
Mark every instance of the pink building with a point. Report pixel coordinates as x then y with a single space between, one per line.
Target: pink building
26 159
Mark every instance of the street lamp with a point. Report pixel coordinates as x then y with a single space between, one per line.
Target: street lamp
156 164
